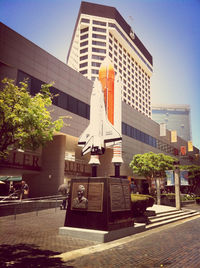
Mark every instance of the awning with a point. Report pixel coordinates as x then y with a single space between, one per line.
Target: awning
10 178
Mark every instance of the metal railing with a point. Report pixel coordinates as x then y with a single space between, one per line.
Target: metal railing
17 207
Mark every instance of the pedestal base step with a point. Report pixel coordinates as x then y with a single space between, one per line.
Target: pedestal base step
102 236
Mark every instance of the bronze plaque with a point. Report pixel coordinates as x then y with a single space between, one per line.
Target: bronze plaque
92 199
120 196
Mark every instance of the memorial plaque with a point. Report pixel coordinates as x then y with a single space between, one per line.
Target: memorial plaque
120 197
93 193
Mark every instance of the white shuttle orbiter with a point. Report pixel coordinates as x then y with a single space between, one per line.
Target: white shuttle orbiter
100 131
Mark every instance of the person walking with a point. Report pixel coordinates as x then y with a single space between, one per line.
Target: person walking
24 190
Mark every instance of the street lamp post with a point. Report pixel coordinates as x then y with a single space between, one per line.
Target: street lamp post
177 185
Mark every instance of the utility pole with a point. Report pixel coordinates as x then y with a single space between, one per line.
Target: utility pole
177 186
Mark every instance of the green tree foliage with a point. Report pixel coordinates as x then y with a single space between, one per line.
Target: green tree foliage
25 121
193 171
151 165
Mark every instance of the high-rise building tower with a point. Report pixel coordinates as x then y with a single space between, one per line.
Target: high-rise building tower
100 32
176 117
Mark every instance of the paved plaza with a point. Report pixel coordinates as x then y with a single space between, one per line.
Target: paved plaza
32 240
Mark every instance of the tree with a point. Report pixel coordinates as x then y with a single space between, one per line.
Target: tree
194 177
151 165
25 122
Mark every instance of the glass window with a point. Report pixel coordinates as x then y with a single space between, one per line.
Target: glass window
95 71
84 57
82 109
96 64
96 57
62 100
97 29
35 85
84 50
72 104
98 43
98 50
84 30
84 43
85 20
83 64
84 36
99 22
83 72
55 92
100 36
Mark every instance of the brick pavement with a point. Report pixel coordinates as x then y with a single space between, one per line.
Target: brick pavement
30 241
174 246
36 237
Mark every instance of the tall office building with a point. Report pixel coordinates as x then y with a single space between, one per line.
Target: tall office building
100 32
176 117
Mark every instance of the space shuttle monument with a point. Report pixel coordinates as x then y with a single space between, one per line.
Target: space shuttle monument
101 203
104 129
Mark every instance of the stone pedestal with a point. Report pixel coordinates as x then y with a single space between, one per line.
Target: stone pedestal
108 205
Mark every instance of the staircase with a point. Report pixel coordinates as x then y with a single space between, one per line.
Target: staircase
165 217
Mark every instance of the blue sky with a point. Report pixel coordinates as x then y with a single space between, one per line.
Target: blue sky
170 30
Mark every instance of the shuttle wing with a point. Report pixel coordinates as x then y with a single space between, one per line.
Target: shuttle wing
111 135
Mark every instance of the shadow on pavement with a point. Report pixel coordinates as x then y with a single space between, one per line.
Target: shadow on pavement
25 256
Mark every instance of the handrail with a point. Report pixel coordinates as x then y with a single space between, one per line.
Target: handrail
30 204
8 197
34 198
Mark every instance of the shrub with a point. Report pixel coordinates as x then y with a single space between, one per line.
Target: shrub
140 202
170 196
198 199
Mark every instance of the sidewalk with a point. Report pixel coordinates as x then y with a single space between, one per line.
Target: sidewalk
30 239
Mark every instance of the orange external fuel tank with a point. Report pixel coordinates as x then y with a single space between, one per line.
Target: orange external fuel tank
107 78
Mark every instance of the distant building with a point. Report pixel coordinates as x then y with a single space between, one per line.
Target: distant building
176 117
100 32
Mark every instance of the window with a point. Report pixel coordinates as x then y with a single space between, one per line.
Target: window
83 64
84 43
83 72
84 36
96 57
95 71
83 50
98 43
84 30
99 22
84 57
96 64
100 36
61 99
98 50
97 29
85 20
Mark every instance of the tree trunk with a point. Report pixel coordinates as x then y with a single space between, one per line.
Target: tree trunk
158 190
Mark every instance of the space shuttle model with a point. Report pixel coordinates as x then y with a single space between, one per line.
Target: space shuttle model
104 129
100 131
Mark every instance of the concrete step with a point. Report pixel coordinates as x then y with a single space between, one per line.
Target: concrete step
163 214
170 215
174 218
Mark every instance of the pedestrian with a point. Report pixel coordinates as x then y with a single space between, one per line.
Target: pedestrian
24 191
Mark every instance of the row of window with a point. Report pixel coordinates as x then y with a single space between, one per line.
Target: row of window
124 37
96 22
147 139
61 99
69 103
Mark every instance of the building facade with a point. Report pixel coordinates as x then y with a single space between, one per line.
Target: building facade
176 117
60 159
100 32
